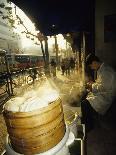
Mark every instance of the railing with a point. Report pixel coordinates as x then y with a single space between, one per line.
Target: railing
12 80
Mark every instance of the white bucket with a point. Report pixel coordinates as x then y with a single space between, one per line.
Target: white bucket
73 126
71 119
70 139
59 149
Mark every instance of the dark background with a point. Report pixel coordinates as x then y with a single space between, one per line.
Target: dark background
72 15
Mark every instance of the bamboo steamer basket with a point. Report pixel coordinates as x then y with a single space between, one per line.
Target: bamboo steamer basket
36 131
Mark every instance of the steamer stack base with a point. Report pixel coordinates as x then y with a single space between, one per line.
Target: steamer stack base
65 147
60 149
40 131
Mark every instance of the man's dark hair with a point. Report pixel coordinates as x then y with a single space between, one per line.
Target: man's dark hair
90 58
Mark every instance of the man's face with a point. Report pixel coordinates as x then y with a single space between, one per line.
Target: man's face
94 65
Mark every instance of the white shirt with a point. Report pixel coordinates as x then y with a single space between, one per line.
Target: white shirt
103 90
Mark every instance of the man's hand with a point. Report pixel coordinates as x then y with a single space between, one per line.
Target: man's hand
89 86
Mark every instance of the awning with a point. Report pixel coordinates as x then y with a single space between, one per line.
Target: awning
59 16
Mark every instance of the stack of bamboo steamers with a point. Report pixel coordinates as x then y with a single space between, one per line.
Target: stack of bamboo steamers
36 131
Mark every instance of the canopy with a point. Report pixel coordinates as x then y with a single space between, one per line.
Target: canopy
59 16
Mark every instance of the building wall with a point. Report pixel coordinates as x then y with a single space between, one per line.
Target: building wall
105 50
8 39
12 41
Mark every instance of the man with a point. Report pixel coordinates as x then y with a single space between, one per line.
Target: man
102 91
53 67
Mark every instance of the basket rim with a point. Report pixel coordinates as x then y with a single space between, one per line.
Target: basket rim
18 114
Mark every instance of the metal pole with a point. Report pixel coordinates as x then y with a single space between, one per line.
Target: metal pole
56 49
9 79
83 59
